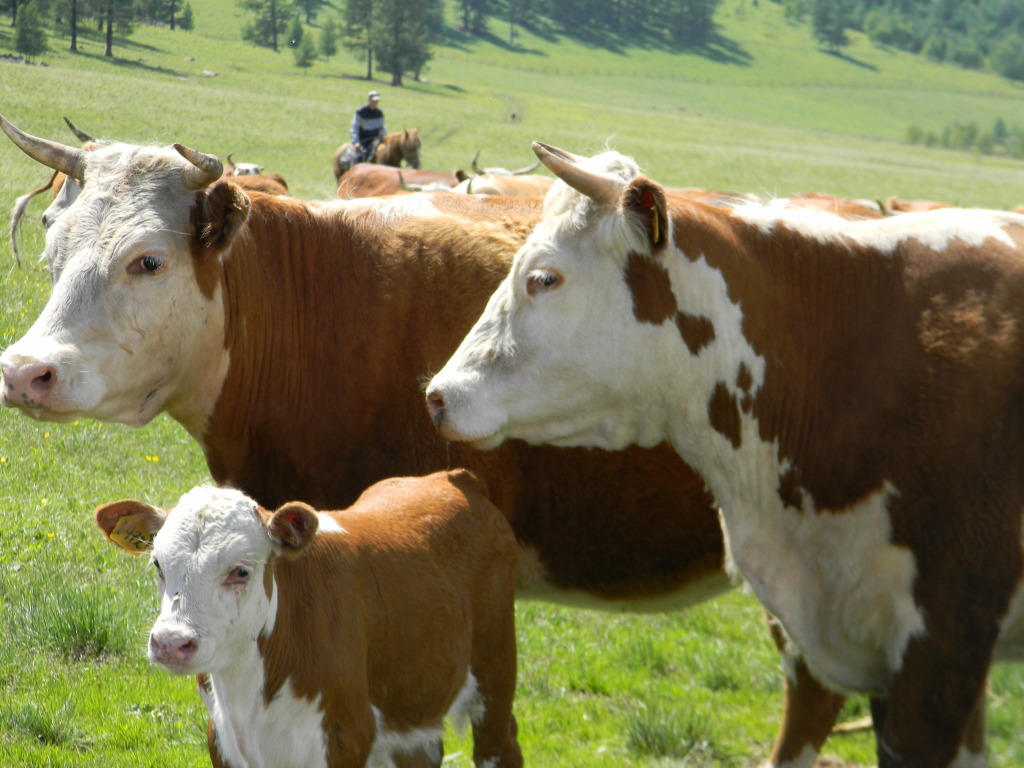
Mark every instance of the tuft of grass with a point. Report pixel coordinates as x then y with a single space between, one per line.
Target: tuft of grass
78 623
672 731
55 728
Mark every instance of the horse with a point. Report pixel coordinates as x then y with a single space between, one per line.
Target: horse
391 150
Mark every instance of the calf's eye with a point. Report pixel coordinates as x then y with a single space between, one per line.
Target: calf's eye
240 574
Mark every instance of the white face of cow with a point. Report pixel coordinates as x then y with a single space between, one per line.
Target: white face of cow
535 365
128 330
210 558
211 554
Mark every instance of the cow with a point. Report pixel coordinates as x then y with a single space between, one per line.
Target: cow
391 151
530 185
895 205
851 391
231 168
337 638
291 339
370 180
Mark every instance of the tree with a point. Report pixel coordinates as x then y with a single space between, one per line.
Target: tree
119 14
309 8
402 43
269 22
1007 57
30 33
328 38
305 52
357 35
475 14
295 32
185 21
829 20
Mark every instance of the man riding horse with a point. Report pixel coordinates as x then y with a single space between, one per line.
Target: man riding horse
367 127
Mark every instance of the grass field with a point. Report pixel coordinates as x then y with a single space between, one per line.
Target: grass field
760 110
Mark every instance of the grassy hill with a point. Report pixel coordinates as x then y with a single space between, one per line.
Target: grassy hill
760 109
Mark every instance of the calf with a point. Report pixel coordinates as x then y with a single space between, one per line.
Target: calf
337 639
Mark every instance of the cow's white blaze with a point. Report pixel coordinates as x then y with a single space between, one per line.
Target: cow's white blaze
126 330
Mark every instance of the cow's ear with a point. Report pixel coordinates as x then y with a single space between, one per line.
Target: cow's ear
130 524
293 526
644 201
218 215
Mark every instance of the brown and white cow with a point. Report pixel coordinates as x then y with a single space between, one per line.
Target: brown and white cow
371 180
337 639
291 339
529 185
852 391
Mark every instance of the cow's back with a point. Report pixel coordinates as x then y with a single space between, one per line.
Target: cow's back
330 348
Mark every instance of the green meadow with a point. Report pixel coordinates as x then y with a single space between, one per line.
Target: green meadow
760 110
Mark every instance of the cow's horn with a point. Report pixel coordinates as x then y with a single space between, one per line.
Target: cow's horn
82 136
402 184
59 157
600 187
204 169
527 169
473 164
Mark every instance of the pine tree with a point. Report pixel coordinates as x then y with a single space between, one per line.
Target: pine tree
186 21
269 22
402 41
30 33
357 35
115 14
328 38
305 52
295 32
829 20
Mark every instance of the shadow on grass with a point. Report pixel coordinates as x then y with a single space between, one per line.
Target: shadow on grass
716 47
849 59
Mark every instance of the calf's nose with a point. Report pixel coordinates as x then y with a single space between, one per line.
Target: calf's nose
27 383
177 651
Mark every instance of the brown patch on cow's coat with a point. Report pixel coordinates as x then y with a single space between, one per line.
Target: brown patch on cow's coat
724 414
651 287
654 301
696 331
789 490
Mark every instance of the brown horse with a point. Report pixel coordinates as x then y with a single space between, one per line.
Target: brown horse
391 150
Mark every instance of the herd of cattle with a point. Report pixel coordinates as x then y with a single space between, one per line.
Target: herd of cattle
815 395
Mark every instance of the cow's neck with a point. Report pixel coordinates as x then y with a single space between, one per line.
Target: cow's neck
787 379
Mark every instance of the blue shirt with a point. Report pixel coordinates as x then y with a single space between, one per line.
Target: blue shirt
367 124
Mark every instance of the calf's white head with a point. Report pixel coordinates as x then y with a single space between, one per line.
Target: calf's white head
211 554
560 353
134 322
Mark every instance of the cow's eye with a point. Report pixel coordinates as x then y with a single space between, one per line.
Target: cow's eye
159 573
148 264
240 574
540 280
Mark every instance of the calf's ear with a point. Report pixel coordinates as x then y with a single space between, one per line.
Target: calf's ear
292 527
130 524
644 202
218 215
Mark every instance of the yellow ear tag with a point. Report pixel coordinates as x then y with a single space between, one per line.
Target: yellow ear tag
129 534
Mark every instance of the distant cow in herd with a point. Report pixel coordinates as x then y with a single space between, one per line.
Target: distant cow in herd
301 335
851 391
343 638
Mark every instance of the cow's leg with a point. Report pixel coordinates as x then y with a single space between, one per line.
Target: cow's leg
494 666
972 750
809 710
933 700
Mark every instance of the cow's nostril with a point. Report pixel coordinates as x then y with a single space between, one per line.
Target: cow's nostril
435 404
